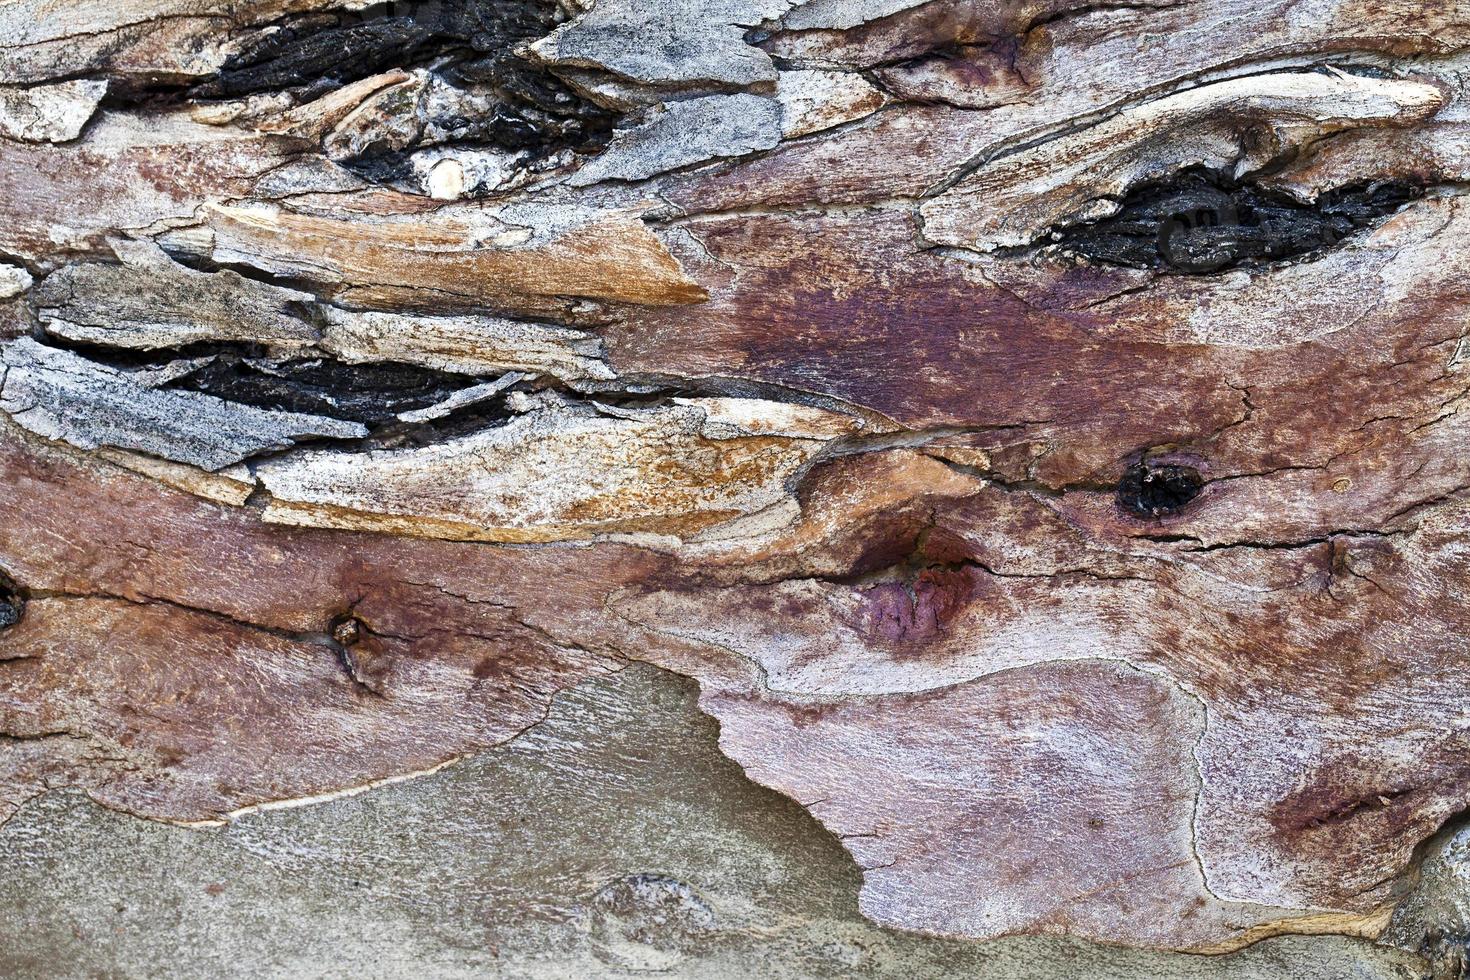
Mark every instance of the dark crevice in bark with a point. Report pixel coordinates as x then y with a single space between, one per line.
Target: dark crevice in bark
1199 546
12 602
497 99
372 394
1033 488
1200 221
324 640
1084 11
376 394
317 49
344 634
1325 812
929 566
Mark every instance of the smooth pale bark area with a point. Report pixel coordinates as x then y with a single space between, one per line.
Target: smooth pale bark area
1034 429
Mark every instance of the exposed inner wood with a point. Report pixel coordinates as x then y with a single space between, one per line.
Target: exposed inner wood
1040 428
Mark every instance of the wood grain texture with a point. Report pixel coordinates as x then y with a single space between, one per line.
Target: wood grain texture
356 404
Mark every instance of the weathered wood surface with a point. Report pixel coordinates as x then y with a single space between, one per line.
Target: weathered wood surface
1037 427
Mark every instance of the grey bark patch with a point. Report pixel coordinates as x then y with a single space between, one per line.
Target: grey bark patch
152 302
49 113
648 921
844 14
667 43
61 395
688 132
1434 919
13 281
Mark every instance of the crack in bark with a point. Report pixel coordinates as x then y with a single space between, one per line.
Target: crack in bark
322 640
1203 222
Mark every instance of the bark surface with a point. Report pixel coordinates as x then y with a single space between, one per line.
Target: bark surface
1038 427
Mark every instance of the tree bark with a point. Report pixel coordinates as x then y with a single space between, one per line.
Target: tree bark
1036 427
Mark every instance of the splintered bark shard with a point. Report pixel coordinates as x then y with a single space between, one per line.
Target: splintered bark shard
559 472
686 132
467 345
1240 125
667 42
60 395
150 302
48 113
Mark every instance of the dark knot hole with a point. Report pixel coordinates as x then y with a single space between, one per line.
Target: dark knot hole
12 601
1153 490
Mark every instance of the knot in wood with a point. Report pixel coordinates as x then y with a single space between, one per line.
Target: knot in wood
1154 490
12 602
346 631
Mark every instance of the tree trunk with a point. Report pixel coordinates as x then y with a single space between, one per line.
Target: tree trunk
1034 427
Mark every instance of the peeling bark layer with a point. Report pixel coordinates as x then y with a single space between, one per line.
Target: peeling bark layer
1037 428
